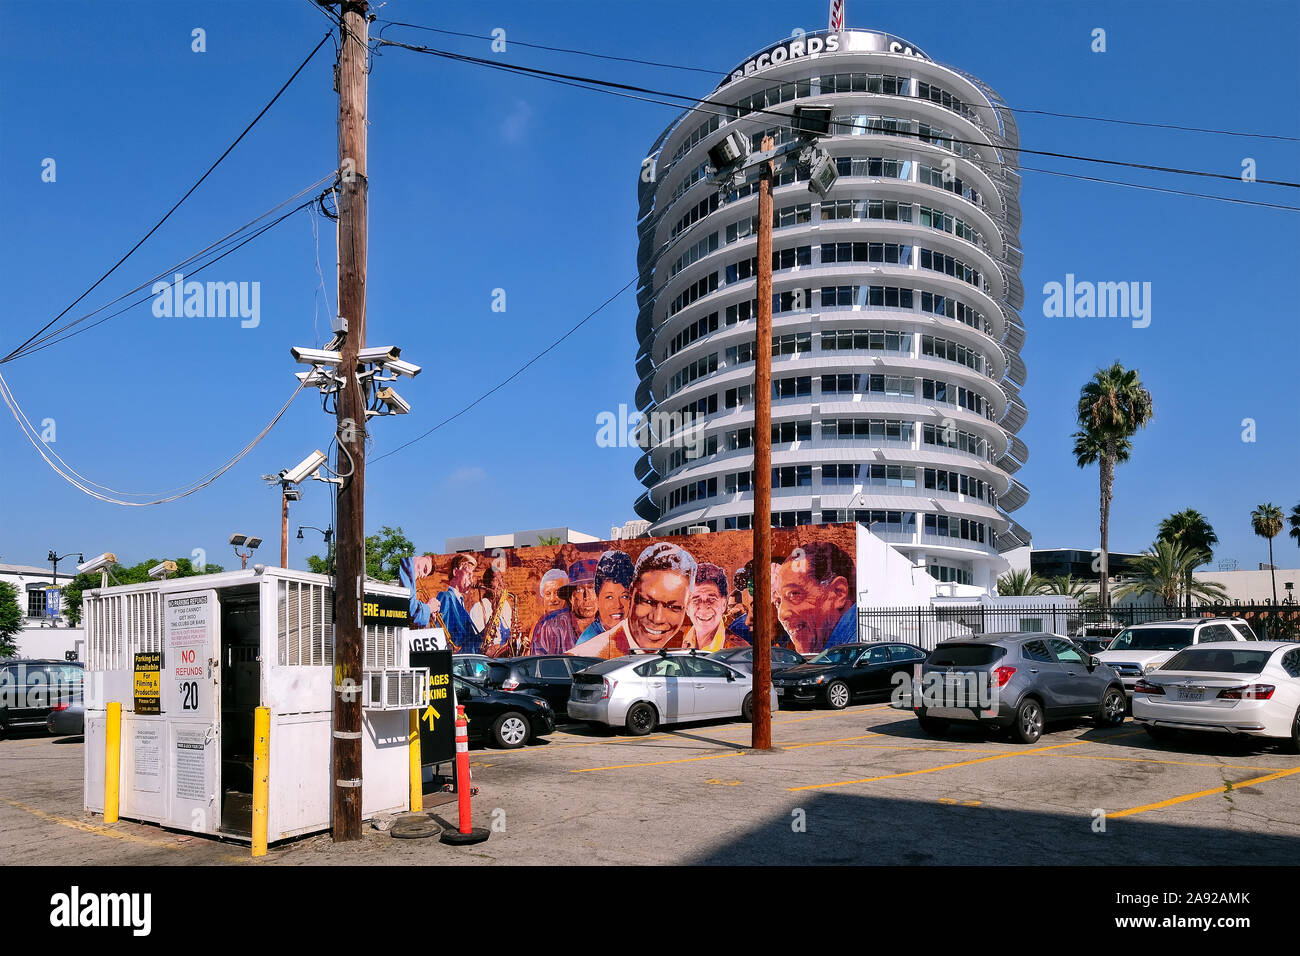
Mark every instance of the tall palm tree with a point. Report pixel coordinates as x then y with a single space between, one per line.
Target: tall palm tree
1266 520
1164 571
1189 527
1020 584
1113 405
1294 520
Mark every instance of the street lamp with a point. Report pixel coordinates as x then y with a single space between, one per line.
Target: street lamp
249 542
54 559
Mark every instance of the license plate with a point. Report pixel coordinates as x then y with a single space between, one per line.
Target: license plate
1189 693
780 692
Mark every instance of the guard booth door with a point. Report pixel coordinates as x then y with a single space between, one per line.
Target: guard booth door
191 699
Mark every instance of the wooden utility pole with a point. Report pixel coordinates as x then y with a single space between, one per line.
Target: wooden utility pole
762 727
284 527
349 582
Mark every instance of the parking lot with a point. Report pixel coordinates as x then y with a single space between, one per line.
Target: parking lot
862 785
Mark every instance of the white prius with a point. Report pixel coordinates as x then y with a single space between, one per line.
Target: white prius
1224 687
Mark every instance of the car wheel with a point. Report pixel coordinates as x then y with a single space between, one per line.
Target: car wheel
1028 726
1160 733
510 730
837 695
934 726
1113 705
747 709
641 719
1293 745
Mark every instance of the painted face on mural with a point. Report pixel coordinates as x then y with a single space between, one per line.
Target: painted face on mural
658 608
611 604
706 607
463 575
551 600
583 603
807 609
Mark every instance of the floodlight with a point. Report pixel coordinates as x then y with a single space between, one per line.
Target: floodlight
292 494
731 149
253 543
811 120
238 539
823 176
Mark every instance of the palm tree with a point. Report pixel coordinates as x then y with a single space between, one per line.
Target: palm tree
1266 520
1189 527
1067 586
1020 584
1164 570
1294 520
1112 407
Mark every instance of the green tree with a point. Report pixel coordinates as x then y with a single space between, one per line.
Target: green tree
1112 407
548 539
1067 586
1266 521
11 618
1189 527
1164 570
384 553
1294 520
123 574
1020 584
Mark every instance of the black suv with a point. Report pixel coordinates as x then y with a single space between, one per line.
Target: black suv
548 677
31 689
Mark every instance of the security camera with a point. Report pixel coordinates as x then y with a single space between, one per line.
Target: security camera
304 468
319 378
316 357
105 560
401 367
395 404
379 355
823 177
160 571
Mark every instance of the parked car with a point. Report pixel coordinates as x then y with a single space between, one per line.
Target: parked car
1095 638
838 676
639 693
548 677
67 719
31 689
475 667
1016 681
1142 648
742 658
1224 687
505 719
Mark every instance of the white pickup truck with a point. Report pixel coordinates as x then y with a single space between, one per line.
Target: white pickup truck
1142 648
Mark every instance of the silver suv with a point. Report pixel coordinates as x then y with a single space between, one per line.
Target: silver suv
1142 648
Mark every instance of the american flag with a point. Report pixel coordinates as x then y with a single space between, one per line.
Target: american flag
837 15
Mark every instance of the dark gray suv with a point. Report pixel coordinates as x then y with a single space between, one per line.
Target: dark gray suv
1017 682
31 689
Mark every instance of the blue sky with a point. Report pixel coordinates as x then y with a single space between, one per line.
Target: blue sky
483 181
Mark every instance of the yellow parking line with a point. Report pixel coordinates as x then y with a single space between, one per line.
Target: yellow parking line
658 763
913 773
90 827
823 743
1173 801
1173 763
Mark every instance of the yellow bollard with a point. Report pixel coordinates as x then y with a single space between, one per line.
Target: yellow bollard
112 760
417 774
261 777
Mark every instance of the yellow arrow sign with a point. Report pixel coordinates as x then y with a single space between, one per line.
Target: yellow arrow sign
429 715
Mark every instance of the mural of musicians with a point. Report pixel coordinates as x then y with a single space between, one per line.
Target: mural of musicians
661 586
814 596
707 610
575 592
494 604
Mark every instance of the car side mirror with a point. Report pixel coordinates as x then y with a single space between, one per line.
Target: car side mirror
1093 663
731 677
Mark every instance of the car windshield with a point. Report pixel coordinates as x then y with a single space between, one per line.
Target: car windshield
837 655
1152 639
1222 660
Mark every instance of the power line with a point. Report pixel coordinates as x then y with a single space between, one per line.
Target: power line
609 84
166 216
695 69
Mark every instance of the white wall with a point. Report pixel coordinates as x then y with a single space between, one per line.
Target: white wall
1254 587
886 577
50 642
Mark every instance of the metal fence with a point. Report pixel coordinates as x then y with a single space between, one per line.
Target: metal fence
928 625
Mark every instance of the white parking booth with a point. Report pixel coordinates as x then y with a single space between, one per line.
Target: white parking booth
190 660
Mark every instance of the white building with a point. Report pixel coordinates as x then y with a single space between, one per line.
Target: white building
517 539
896 338
1256 587
45 633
